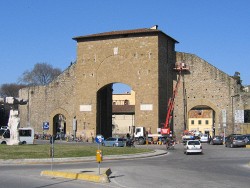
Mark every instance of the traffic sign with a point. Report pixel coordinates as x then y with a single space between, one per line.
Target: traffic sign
99 139
45 125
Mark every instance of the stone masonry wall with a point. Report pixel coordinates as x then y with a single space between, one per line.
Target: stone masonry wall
205 85
44 102
132 60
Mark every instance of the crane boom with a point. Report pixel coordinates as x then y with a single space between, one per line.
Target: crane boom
171 101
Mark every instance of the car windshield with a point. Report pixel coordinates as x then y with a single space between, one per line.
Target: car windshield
193 142
239 137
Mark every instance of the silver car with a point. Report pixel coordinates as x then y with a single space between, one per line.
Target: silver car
193 146
114 142
235 141
216 140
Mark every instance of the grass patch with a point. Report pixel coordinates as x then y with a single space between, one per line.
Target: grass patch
62 150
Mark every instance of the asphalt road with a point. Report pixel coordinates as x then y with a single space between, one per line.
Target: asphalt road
217 167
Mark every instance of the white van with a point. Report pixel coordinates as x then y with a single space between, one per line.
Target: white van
26 136
204 138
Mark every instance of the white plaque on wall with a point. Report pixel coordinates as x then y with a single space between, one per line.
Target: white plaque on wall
146 107
85 108
115 50
239 116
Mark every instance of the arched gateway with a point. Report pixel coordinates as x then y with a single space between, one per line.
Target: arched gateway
79 101
141 58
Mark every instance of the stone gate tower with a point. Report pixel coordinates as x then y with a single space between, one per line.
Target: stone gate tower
141 58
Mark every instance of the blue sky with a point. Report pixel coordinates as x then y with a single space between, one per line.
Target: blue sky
41 31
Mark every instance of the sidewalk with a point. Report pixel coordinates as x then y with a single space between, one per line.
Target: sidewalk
92 174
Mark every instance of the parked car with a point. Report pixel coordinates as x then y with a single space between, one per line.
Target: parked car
247 139
114 142
216 140
204 138
235 141
193 146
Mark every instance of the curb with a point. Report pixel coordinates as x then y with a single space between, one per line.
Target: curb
81 159
87 175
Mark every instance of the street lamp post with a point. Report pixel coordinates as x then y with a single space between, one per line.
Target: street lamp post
233 110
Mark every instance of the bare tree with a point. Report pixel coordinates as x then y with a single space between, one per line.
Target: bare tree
10 90
42 74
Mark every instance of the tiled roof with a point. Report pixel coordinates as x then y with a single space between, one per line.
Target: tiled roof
123 109
122 33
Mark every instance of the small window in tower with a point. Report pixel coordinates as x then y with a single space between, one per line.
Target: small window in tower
126 102
199 122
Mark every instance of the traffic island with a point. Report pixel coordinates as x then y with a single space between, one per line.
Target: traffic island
92 174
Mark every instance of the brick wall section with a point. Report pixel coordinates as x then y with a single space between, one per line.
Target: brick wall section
167 59
205 85
47 101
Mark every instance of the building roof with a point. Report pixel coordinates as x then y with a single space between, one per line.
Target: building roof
122 33
123 109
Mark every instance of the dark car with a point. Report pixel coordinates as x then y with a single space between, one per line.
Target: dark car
216 140
227 137
235 141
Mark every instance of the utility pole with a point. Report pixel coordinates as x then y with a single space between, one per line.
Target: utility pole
233 119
